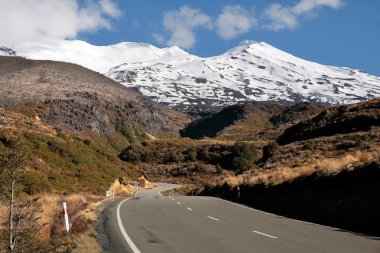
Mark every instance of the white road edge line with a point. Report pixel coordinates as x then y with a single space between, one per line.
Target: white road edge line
188 208
301 221
178 203
123 232
246 207
271 236
213 218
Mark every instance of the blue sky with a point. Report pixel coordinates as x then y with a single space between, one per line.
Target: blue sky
331 32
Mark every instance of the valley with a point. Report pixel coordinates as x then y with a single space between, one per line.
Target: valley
85 133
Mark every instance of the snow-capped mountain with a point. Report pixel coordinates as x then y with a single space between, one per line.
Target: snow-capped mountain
250 71
97 58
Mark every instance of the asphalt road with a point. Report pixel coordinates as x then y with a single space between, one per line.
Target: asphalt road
150 222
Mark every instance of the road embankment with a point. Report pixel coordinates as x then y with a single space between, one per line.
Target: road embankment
348 200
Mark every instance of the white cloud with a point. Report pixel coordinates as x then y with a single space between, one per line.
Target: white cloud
159 38
284 17
181 25
110 8
280 18
305 6
234 21
38 20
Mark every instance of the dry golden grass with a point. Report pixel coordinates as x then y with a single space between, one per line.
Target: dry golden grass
87 242
3 214
51 206
324 166
122 190
16 122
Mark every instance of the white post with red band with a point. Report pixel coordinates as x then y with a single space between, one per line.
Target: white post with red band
66 217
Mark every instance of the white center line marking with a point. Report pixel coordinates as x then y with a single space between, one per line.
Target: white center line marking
178 203
213 218
188 208
257 232
173 199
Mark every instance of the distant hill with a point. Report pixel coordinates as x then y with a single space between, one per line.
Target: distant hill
71 97
335 120
250 120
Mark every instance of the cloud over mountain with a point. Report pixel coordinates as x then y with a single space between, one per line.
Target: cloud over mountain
38 20
234 21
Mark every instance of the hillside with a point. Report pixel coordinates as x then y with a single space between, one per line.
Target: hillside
71 97
325 170
62 162
251 71
250 121
336 120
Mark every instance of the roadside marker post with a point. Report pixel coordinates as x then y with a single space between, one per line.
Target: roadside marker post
66 217
238 188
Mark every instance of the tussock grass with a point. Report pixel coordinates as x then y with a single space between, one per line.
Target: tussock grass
50 217
323 166
121 189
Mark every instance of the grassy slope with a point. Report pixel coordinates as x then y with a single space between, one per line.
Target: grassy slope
336 120
65 162
250 121
330 178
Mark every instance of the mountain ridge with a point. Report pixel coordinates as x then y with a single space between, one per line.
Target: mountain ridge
71 97
251 71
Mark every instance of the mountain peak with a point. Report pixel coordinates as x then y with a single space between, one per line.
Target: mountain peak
251 71
248 43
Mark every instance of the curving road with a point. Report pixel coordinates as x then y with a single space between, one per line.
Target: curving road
150 222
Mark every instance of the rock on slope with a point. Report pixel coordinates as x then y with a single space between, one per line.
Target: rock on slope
72 97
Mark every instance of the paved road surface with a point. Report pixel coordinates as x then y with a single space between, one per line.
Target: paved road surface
150 222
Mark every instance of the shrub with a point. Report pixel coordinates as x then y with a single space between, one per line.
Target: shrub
173 158
191 155
269 150
130 155
147 157
200 168
244 158
204 154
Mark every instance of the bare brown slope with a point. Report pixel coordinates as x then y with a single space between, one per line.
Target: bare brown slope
71 97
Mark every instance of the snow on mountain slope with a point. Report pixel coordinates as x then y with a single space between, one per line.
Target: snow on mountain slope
98 58
250 71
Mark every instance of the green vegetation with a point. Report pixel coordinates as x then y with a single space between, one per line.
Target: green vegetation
269 150
336 120
67 163
237 157
244 157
